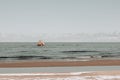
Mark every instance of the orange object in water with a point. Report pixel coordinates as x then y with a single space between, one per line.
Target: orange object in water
40 43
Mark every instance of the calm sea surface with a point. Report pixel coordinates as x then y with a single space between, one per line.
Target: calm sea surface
58 51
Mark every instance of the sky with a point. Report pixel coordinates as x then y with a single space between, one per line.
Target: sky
60 20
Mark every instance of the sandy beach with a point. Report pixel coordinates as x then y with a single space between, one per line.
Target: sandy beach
77 75
60 63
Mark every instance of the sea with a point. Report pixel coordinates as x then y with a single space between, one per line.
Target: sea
66 51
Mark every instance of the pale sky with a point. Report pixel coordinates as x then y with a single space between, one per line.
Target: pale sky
60 20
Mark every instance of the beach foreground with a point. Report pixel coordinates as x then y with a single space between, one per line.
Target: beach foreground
60 63
96 75
77 75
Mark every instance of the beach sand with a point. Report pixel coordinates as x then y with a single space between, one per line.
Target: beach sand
60 63
90 75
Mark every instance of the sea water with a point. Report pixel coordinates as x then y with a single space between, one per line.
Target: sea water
11 51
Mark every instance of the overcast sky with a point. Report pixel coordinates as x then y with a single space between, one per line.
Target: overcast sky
60 20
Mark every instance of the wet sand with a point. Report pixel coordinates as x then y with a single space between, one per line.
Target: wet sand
89 75
60 63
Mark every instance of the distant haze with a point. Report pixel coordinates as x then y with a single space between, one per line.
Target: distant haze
60 20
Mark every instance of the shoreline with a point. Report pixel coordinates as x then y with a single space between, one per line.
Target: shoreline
59 63
94 75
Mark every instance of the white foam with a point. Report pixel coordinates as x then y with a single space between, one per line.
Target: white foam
72 76
35 74
107 77
77 73
69 78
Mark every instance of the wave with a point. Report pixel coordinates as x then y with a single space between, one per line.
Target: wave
25 57
23 51
110 56
78 51
62 76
